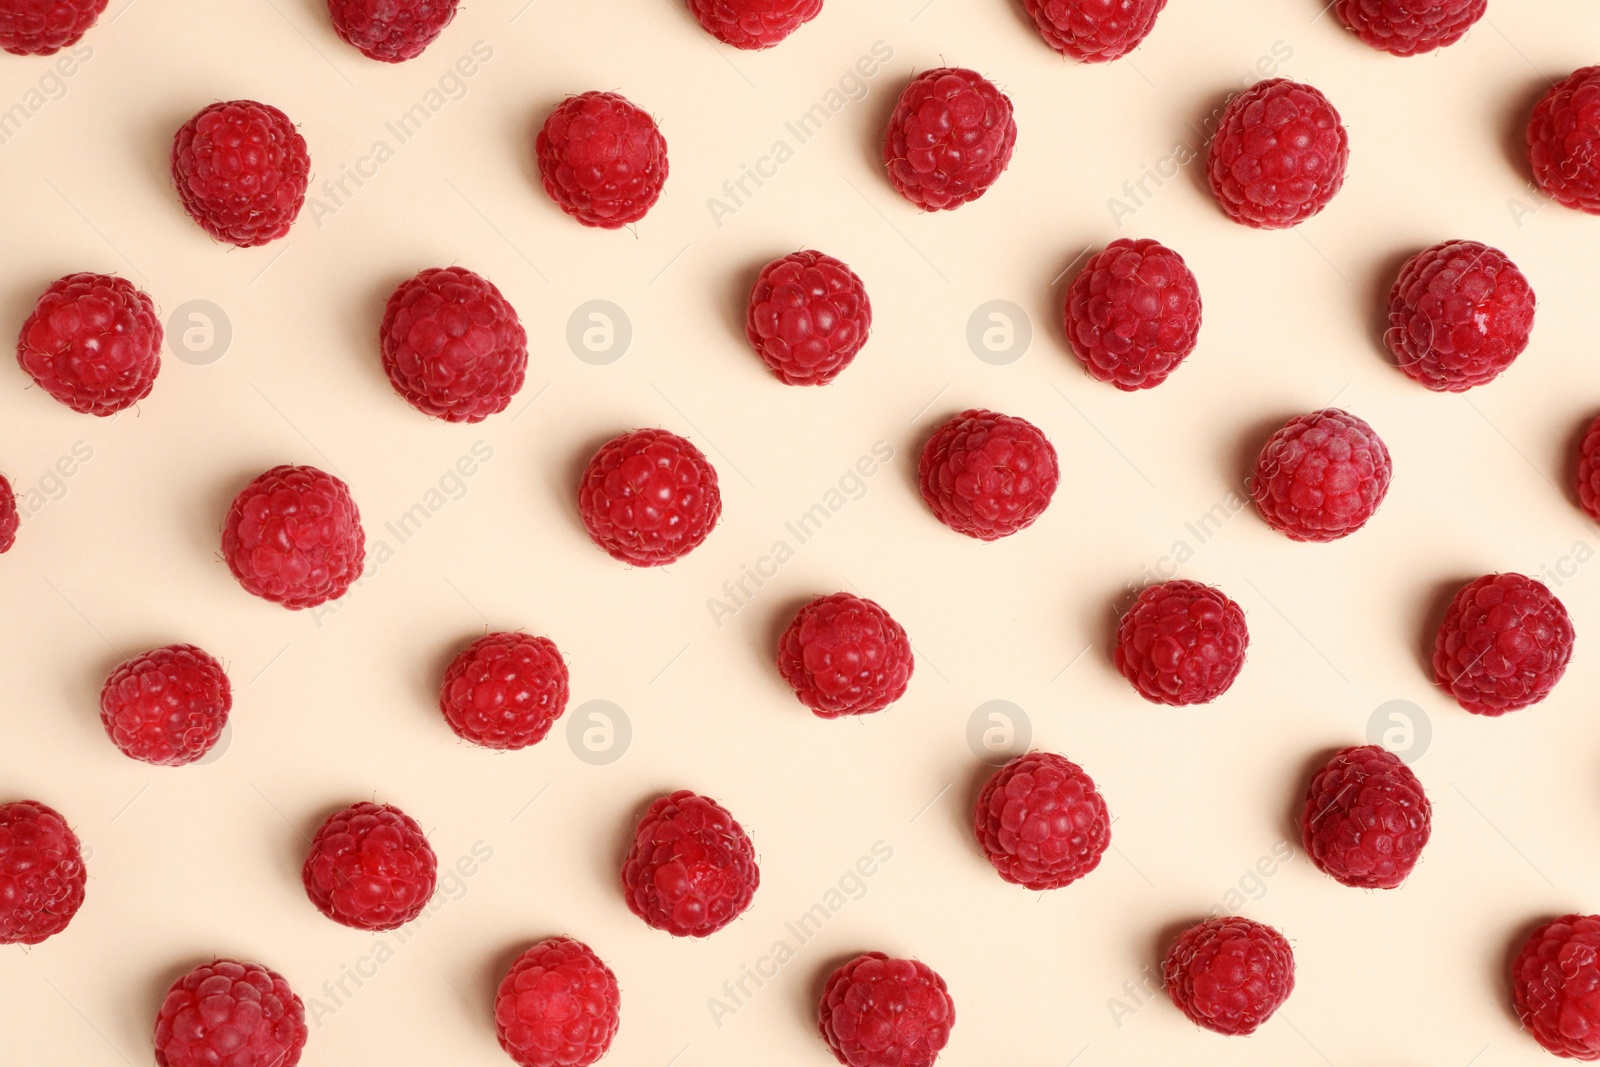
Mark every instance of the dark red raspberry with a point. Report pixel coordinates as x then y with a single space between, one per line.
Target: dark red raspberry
1182 643
950 138
557 1006
505 690
10 519
241 170
1321 476
1229 974
1588 472
93 342
988 475
391 31
809 315
1279 155
753 24
1504 644
370 867
1041 821
1564 141
845 655
230 1013
1094 31
1366 819
1133 314
41 873
1410 27
692 869
453 347
45 27
293 536
602 159
877 1011
167 706
1555 986
1459 313
649 497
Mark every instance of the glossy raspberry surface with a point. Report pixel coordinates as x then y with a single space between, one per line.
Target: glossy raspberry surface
452 346
692 869
988 475
241 170
1564 141
753 24
230 1014
649 497
845 655
1588 472
1133 314
505 690
1229 974
93 342
1321 476
1504 643
1459 313
45 27
370 867
167 706
1555 986
41 873
877 1011
808 317
1279 155
1366 819
390 31
1181 642
557 1006
1094 31
293 536
10 518
602 159
1410 27
1041 821
950 137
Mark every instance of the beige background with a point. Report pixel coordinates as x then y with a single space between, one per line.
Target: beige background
122 555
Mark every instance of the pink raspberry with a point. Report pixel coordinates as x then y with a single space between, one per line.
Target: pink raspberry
505 690
1133 314
1279 155
230 1014
649 497
845 655
453 347
1229 974
41 873
1041 821
93 342
293 536
809 315
603 160
753 24
45 27
1410 27
1588 474
370 867
167 706
241 170
1564 141
950 138
557 1006
1555 986
390 31
1504 644
692 869
1366 819
1094 31
877 1011
1182 643
988 475
1321 476
10 519
1459 313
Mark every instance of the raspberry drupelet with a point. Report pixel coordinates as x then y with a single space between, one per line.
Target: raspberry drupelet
950 137
1094 31
1321 476
390 31
1133 314
692 869
1410 27
452 346
370 867
45 27
1459 313
293 536
230 1013
1564 141
1588 473
1555 986
557 1006
878 1011
988 475
1279 155
167 706
93 342
1181 643
1504 643
753 24
10 517
1042 822
649 497
602 159
42 875
241 170
1229 974
505 690
1366 820
808 317
845 655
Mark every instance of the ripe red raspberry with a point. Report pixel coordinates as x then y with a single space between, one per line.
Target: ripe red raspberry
692 869
391 31
845 655
241 170
1410 27
10 519
93 342
1321 476
453 347
293 536
1133 314
1366 819
753 24
505 690
370 867
1555 986
1459 313
809 315
950 138
1182 643
649 497
1041 821
877 1011
557 1006
1279 155
1229 974
41 873
1504 644
1564 141
227 1012
602 159
167 706
45 27
988 475
1094 31
1588 472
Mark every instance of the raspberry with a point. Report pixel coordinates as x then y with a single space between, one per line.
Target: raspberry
227 1012
753 24
1041 821
1133 314
877 1011
1094 31
1321 476
1564 141
844 655
505 690
453 347
1181 643
1279 155
1504 644
41 873
692 869
167 706
649 497
45 27
988 475
1366 819
1555 986
10 520
241 170
809 315
602 159
370 867
1229 974
93 342
390 31
557 1006
1588 474
293 536
950 138
1410 27
1459 313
